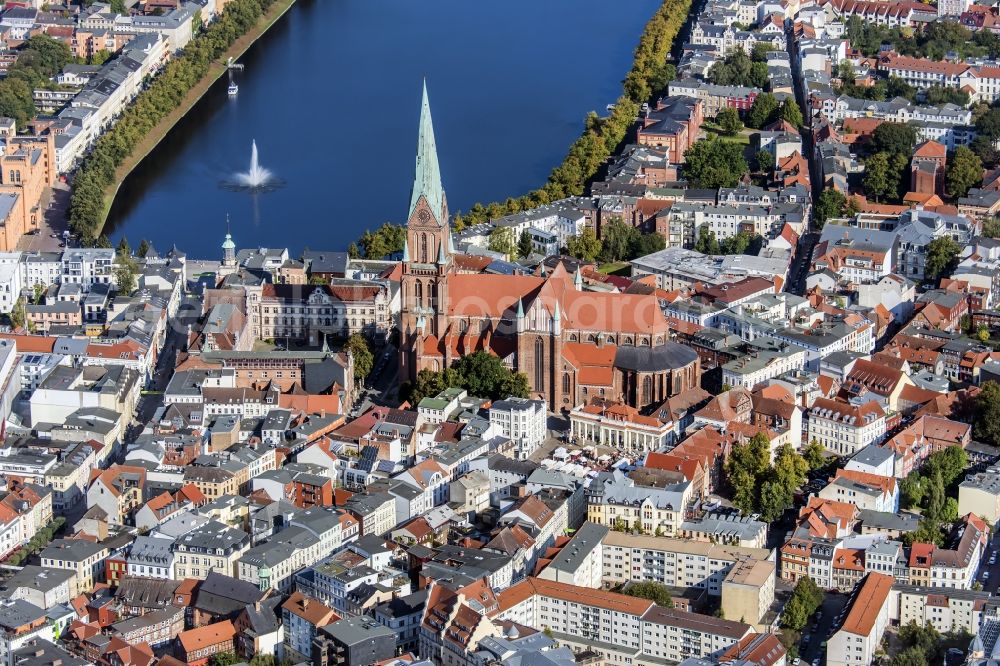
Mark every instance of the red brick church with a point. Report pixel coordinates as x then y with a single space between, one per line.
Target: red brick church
572 344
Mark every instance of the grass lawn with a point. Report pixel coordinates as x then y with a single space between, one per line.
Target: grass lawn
616 268
713 129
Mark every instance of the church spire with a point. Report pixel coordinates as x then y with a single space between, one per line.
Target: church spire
427 178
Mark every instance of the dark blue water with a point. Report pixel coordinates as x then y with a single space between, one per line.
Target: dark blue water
332 92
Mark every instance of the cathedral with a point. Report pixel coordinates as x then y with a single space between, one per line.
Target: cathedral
574 345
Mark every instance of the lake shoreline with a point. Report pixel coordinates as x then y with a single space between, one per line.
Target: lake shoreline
216 70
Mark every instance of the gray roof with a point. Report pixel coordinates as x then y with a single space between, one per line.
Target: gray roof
357 630
43 579
586 539
668 356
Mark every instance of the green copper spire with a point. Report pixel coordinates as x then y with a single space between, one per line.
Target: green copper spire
406 250
520 309
427 179
555 315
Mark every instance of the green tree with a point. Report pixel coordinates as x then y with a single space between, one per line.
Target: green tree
706 243
362 355
745 470
813 454
910 657
790 112
223 659
729 121
143 249
942 256
805 600
712 163
737 244
524 244
764 161
879 181
586 247
991 227
18 315
486 377
502 241
124 249
617 240
644 244
911 491
894 138
845 71
125 273
986 423
950 462
655 592
832 203
964 171
763 110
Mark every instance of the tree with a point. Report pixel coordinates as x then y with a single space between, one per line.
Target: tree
706 242
894 138
790 112
832 203
991 227
986 423
878 180
655 592
911 491
484 375
18 315
729 121
805 600
617 239
845 71
124 249
764 161
362 355
143 249
125 272
763 110
950 462
524 244
387 239
813 454
942 255
644 244
910 657
587 246
502 241
223 659
745 470
738 69
712 163
965 170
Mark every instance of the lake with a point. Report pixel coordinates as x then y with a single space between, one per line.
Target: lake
331 94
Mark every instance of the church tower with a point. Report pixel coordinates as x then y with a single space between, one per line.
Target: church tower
427 252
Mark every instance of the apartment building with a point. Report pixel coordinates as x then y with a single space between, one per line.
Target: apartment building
210 547
623 629
844 428
673 562
859 634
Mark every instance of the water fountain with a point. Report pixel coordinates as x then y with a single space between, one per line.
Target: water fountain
257 177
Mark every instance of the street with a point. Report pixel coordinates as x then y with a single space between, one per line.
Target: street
54 204
822 625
